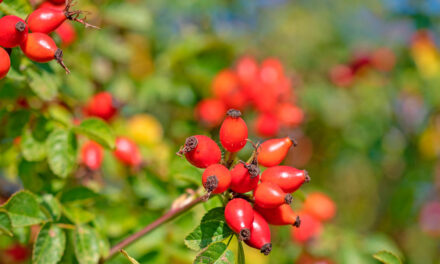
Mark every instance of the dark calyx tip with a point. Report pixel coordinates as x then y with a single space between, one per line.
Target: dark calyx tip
190 144
294 142
211 183
307 177
253 169
245 234
233 113
288 198
20 26
266 249
297 223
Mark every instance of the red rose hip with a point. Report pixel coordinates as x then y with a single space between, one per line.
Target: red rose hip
260 235
244 177
320 206
270 195
239 216
101 105
201 151
13 31
233 132
5 63
310 227
273 151
91 155
216 178
289 179
281 215
127 152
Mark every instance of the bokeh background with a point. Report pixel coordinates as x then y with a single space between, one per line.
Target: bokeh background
366 74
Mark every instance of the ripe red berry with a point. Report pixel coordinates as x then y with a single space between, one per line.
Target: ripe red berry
289 179
101 105
216 178
281 215
127 152
260 235
67 33
289 114
210 112
226 87
239 216
40 47
233 132
310 227
270 195
5 63
247 70
201 151
267 125
271 71
320 206
18 253
245 177
92 154
13 31
53 5
46 19
273 151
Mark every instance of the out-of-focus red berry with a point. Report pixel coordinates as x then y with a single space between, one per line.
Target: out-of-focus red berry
271 71
101 105
289 114
310 228
67 33
127 152
210 112
429 219
383 59
341 75
18 253
320 206
247 70
92 154
267 125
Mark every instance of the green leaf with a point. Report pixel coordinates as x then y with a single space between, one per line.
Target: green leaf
5 224
216 253
387 257
20 8
49 246
52 205
32 149
16 123
77 194
86 245
77 214
61 152
240 254
60 114
132 260
24 210
43 84
97 130
212 228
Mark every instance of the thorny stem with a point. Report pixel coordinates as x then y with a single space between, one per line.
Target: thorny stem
171 214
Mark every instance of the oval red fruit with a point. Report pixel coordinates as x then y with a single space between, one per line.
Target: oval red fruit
201 151
46 19
101 105
290 115
239 216
127 152
245 177
247 70
273 151
216 178
67 33
320 206
5 63
210 112
260 235
233 132
310 227
92 154
267 125
289 179
40 47
270 195
281 215
13 31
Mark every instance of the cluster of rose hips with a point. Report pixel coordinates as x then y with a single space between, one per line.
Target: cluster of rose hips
248 214
33 37
381 59
264 88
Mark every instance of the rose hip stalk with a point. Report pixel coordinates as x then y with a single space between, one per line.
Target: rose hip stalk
46 19
13 31
239 216
41 48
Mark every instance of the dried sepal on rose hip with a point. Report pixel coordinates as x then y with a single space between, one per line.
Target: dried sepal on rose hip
260 235
13 31
273 151
41 48
281 215
289 179
201 151
216 179
270 195
233 131
46 19
239 216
